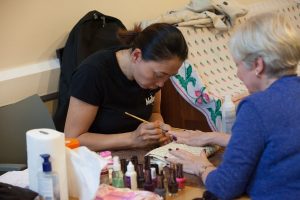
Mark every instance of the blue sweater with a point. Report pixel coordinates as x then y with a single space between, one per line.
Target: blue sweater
263 154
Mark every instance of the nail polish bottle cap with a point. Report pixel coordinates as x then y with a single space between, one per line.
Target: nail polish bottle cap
179 170
147 162
123 165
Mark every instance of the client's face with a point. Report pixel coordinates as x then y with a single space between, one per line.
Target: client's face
248 77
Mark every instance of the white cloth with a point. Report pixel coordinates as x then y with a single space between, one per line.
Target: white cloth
16 178
198 13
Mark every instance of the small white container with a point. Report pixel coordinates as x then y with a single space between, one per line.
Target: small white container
228 114
131 177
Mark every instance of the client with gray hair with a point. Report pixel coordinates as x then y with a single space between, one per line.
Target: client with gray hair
263 152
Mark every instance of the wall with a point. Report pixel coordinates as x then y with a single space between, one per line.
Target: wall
32 30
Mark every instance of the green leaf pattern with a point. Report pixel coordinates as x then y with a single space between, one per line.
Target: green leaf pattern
198 95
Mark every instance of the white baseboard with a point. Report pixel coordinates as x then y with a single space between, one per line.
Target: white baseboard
21 82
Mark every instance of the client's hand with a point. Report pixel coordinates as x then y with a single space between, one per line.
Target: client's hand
199 138
192 164
148 134
167 138
192 138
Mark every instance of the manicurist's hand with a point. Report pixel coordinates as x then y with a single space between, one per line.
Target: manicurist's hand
199 138
148 134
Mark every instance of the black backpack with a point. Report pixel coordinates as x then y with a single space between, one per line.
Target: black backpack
93 32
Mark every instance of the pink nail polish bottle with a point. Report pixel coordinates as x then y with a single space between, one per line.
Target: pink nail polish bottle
179 176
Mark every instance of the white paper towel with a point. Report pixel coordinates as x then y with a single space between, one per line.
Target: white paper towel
41 141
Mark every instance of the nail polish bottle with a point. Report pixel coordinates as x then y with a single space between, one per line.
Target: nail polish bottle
148 185
160 188
179 176
135 162
123 165
172 184
140 176
147 162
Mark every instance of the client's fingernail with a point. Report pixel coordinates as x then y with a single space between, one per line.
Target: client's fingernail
174 137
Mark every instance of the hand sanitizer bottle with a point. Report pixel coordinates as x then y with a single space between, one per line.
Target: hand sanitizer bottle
228 114
48 187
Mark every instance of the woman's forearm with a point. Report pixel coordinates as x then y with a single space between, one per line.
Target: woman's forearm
219 138
98 142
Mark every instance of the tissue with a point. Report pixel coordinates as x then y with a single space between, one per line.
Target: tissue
84 168
41 141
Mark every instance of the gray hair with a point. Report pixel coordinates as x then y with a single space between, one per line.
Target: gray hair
271 37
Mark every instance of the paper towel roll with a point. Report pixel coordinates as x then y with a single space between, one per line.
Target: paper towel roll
41 141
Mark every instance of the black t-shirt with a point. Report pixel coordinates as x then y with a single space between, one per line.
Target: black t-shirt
99 81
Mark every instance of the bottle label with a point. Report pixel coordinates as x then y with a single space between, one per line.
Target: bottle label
46 187
117 179
127 182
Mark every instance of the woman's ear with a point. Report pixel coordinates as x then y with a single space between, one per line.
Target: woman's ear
259 66
136 55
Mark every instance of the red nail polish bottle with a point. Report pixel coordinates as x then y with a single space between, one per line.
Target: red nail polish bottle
179 176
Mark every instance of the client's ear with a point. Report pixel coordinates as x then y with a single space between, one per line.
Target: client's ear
259 66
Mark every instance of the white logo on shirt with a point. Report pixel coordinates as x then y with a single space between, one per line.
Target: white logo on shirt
149 100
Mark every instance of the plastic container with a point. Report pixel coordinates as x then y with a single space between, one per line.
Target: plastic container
228 114
131 177
117 174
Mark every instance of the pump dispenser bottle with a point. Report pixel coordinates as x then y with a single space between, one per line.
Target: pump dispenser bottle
48 186
228 114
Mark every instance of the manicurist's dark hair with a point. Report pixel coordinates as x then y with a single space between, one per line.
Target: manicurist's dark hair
157 42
